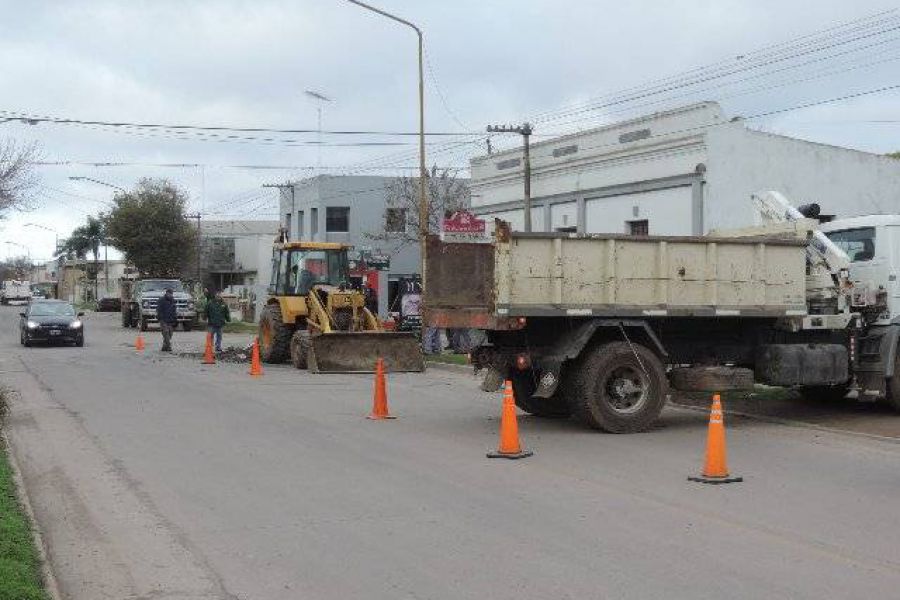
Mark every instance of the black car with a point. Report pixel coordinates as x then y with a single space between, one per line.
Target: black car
109 304
51 321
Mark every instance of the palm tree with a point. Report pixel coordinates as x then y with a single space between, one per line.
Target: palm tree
88 238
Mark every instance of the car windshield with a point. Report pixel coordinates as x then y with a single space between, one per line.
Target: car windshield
51 309
859 244
158 285
311 267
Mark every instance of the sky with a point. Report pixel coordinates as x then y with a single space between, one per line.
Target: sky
563 65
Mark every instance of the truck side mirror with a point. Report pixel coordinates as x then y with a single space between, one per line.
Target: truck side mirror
22 314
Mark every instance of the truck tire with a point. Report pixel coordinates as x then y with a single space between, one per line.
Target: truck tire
143 324
892 397
618 388
126 317
300 347
524 383
274 336
187 325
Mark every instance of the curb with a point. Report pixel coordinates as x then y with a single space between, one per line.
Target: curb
792 423
443 366
47 576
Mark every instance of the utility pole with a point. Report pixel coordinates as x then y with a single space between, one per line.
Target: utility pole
282 186
525 131
197 216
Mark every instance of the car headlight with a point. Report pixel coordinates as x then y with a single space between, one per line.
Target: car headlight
145 304
190 304
75 325
32 325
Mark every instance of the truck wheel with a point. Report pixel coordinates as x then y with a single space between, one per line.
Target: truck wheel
143 324
524 384
893 386
187 325
274 336
300 346
618 388
126 317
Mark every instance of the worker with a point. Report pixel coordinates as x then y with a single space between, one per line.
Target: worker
217 314
167 314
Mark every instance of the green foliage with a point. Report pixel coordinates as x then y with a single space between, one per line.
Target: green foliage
87 238
20 577
148 225
894 154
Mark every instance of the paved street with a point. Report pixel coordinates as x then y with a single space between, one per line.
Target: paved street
154 476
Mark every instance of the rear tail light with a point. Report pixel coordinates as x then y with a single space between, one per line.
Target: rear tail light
523 361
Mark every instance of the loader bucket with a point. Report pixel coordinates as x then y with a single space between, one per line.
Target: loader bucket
357 352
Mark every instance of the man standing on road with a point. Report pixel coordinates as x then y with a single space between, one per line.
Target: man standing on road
217 314
167 314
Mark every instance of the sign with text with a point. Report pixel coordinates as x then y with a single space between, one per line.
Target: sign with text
463 226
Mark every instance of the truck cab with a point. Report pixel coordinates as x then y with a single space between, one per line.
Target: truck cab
873 244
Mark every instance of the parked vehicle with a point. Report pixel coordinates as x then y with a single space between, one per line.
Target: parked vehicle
52 322
13 291
601 326
140 297
109 304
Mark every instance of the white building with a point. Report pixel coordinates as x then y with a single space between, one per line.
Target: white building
680 172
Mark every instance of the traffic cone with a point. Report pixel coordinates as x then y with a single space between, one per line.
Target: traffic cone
208 357
139 343
715 468
380 403
255 366
509 429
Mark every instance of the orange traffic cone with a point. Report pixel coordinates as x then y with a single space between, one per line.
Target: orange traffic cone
208 357
139 343
509 429
255 366
715 468
380 403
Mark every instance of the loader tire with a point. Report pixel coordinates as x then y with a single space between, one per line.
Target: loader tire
274 336
524 384
618 388
300 348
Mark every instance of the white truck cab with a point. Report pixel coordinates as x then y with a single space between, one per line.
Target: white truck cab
873 244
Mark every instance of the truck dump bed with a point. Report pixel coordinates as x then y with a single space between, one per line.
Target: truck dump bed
487 286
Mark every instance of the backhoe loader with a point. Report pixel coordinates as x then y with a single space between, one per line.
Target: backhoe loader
314 318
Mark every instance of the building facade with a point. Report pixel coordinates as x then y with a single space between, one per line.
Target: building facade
681 172
355 210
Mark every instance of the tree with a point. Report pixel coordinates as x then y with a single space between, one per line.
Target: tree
149 226
445 192
16 268
17 177
88 238
894 154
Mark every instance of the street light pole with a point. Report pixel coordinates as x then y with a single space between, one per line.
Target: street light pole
423 171
50 229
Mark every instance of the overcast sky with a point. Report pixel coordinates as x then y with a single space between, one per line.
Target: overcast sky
248 64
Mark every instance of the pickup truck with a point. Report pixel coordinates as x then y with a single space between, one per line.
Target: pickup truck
601 326
140 297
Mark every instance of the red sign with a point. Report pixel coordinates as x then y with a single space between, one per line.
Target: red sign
462 221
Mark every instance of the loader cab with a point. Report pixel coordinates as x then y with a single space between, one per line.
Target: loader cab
873 245
297 267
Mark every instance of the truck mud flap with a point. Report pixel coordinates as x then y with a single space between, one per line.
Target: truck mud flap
357 352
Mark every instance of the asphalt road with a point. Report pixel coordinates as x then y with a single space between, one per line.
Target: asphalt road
155 477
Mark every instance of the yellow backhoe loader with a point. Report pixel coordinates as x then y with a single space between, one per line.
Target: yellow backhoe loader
314 318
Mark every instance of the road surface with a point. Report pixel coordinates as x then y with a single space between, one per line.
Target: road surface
152 476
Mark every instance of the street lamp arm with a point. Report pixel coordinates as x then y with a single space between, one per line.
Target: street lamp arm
388 15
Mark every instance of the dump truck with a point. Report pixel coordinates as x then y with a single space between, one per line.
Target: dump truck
601 326
316 320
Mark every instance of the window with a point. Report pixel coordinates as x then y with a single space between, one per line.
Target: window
300 225
395 220
313 222
638 227
287 224
859 244
312 267
337 219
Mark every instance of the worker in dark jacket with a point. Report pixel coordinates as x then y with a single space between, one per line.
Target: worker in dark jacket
167 313
217 314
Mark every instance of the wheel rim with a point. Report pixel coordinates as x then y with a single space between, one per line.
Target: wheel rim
626 389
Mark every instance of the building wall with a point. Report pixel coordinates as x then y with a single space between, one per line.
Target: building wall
843 182
365 196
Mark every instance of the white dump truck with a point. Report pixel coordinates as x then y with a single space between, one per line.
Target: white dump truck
13 291
601 326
